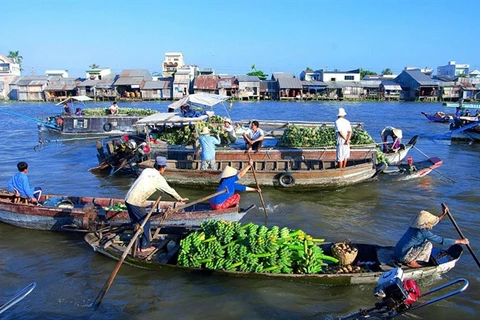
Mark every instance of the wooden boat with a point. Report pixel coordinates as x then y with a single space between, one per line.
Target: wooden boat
440 117
295 174
90 213
394 157
465 128
373 260
83 125
406 171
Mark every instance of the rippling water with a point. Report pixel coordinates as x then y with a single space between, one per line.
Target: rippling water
69 274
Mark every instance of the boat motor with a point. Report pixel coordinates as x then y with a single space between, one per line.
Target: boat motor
400 296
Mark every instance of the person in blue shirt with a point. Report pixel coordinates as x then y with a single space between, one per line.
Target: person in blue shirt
228 179
20 185
208 143
415 246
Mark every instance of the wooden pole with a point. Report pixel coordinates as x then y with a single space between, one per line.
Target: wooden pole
444 206
109 282
258 186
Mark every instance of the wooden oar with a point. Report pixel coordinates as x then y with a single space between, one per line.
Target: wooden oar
444 206
109 282
258 187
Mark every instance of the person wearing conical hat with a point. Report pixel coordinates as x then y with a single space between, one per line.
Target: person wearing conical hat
228 128
343 130
208 143
415 246
228 179
396 135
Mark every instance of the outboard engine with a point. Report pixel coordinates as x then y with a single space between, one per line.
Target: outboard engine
396 293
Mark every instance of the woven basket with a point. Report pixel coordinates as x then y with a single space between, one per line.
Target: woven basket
345 257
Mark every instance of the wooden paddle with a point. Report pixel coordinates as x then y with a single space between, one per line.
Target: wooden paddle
109 282
444 206
258 187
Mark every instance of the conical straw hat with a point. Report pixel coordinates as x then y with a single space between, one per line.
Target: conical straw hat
424 220
228 172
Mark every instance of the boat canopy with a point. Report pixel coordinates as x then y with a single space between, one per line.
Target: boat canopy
76 98
199 99
168 118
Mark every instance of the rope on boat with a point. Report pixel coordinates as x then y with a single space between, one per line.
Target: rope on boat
42 142
441 174
22 116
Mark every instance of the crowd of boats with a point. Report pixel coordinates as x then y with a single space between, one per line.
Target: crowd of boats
109 231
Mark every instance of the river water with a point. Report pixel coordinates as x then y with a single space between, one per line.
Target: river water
69 274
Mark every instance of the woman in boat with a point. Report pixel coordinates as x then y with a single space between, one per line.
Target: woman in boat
228 180
396 135
228 127
415 246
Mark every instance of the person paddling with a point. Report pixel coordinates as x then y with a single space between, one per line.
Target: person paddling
415 246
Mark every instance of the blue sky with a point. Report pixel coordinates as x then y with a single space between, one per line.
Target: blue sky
231 36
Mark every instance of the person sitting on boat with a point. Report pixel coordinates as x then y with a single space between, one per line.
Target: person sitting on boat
228 127
78 111
113 109
208 143
415 246
20 185
189 112
467 113
459 112
228 180
396 135
66 109
149 181
254 137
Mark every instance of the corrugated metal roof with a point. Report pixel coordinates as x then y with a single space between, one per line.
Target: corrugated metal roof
247 78
313 83
289 83
144 74
421 78
129 81
151 85
107 82
61 85
206 82
89 83
278 75
345 84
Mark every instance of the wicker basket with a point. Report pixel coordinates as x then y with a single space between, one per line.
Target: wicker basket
344 255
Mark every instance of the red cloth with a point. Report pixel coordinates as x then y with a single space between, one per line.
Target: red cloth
230 202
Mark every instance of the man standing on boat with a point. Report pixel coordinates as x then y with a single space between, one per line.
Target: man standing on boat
343 129
20 185
254 137
149 181
414 247
208 143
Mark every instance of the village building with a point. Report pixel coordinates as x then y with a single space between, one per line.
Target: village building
9 71
248 87
130 82
417 86
157 89
59 88
173 61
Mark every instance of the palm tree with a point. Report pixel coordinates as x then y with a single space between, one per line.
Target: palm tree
94 66
15 57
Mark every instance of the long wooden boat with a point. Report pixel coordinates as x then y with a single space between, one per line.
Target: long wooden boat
295 174
69 213
406 171
372 260
465 128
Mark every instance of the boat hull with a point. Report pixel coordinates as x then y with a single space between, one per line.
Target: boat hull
87 125
89 213
378 260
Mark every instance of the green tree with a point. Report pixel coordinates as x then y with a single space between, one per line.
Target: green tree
364 73
309 69
16 58
387 71
94 66
258 73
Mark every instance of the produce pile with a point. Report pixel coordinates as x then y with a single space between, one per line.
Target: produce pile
299 136
232 246
127 111
116 207
188 135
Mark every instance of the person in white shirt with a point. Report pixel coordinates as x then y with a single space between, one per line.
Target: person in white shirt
149 181
254 137
343 129
113 109
228 127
